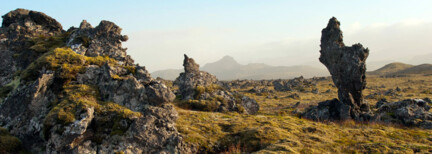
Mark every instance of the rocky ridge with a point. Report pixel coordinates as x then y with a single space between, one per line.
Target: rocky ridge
79 92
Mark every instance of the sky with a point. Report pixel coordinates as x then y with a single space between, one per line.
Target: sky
275 32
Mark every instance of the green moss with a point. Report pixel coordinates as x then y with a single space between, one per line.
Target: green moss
8 143
131 69
66 61
200 105
42 44
11 86
80 97
199 90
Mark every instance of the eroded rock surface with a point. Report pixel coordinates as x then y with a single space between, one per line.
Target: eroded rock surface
347 66
103 40
202 89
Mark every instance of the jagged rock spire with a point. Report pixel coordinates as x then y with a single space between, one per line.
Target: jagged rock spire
347 65
190 66
84 24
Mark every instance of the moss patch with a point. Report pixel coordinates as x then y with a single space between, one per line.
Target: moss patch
77 98
66 61
8 143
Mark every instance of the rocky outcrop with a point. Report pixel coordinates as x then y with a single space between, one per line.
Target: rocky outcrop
95 101
410 112
192 78
199 88
17 27
347 65
103 40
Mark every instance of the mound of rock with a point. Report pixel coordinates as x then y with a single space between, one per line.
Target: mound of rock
200 90
347 66
79 92
410 112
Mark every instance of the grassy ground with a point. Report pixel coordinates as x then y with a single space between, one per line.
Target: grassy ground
275 129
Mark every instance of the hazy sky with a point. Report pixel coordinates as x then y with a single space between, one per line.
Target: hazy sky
276 32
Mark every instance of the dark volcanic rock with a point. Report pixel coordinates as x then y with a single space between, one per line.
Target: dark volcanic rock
17 27
410 112
22 23
347 65
328 110
202 86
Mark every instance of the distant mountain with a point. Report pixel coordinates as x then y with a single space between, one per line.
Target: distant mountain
403 69
229 69
419 69
391 68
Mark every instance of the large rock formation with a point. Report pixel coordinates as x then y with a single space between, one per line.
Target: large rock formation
79 92
200 90
347 65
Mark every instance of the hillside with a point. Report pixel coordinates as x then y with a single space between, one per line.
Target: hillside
402 69
391 68
228 68
419 69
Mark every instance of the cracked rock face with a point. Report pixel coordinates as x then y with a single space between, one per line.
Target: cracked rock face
347 65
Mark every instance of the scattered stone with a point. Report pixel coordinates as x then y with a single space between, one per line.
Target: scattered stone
380 103
296 84
398 89
410 112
